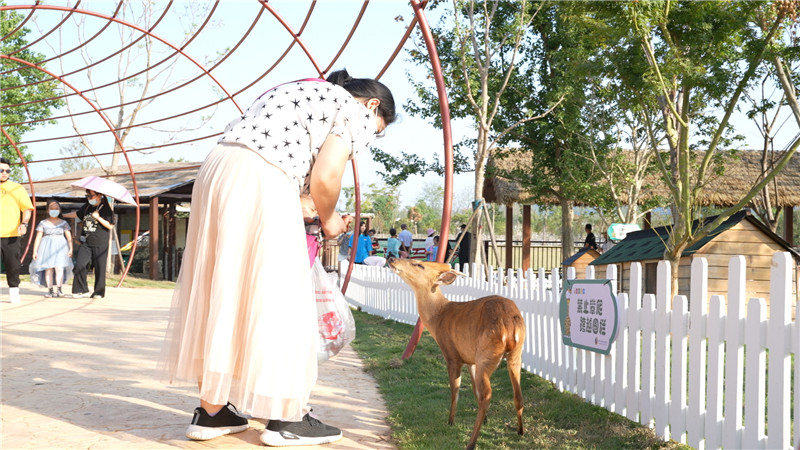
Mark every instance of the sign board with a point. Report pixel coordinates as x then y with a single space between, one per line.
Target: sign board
618 231
588 315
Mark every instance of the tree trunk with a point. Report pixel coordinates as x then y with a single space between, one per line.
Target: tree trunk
480 173
674 259
567 214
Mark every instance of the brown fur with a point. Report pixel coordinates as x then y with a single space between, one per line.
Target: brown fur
478 333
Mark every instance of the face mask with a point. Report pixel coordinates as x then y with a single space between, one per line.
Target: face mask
54 212
93 202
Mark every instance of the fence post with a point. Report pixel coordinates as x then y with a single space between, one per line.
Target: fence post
778 341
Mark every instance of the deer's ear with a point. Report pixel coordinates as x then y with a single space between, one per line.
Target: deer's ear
448 277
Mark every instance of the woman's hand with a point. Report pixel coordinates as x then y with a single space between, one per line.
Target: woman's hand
69 253
334 226
35 255
96 215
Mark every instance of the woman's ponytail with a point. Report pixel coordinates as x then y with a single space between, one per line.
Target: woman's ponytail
366 88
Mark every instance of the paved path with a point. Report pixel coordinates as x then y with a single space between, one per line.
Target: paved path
78 373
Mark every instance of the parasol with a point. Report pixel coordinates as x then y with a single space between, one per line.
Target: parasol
106 187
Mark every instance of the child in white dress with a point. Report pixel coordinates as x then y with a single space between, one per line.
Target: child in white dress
52 251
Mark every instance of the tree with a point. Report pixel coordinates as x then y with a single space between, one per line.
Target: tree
383 202
554 151
479 44
701 57
767 111
28 95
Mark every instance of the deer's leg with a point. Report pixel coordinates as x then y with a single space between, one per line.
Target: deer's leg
482 380
514 361
454 372
471 368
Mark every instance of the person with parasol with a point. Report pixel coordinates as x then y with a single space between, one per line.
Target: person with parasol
97 217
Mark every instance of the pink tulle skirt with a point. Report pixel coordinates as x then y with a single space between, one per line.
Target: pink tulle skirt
243 319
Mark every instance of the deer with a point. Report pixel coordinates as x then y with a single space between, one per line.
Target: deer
478 333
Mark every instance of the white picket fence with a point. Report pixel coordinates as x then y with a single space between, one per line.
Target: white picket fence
699 377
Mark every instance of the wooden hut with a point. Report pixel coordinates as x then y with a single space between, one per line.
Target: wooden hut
742 234
580 260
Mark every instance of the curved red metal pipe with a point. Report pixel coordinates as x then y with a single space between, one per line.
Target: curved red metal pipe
349 36
33 192
295 36
135 27
86 42
119 143
356 227
444 106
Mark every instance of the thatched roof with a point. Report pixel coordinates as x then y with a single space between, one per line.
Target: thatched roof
171 182
742 170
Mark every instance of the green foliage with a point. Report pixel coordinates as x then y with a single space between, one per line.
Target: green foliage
417 395
399 169
32 92
384 203
694 59
552 151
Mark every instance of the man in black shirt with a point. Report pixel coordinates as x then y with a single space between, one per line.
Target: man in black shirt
465 247
590 241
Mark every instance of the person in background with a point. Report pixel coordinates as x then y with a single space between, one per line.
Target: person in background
344 239
435 249
364 244
98 220
392 244
465 247
590 241
52 251
14 201
243 325
406 240
374 247
429 254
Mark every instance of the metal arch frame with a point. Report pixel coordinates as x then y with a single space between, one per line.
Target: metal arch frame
137 28
33 190
419 20
119 143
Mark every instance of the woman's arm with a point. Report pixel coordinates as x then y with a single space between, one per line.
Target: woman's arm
326 183
68 235
105 223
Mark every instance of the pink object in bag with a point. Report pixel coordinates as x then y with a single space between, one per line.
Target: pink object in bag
313 248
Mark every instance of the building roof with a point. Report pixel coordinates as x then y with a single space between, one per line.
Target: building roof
742 170
171 182
569 261
649 244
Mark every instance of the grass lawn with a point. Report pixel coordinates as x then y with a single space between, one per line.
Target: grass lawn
417 396
113 280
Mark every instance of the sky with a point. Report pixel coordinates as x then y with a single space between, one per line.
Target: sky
367 52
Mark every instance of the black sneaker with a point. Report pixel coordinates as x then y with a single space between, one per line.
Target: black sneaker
309 431
226 421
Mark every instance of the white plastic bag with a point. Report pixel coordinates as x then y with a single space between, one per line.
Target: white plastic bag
337 327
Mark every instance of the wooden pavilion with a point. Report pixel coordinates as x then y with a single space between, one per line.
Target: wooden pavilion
743 169
162 187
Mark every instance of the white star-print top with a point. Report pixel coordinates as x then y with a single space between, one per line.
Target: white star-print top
288 124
